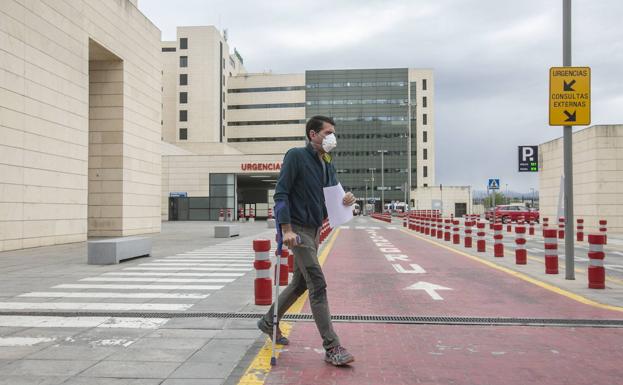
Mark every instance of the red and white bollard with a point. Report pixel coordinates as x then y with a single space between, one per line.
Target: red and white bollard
290 261
270 213
426 226
404 221
229 217
241 217
531 231
579 235
433 227
603 230
251 215
263 282
596 271
468 234
509 226
439 228
561 228
283 269
521 256
551 251
447 236
456 236
498 245
545 223
221 215
481 243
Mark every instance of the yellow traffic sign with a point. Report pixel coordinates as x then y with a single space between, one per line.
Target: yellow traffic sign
569 96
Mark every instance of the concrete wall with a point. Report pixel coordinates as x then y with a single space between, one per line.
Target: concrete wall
45 118
449 195
597 176
417 76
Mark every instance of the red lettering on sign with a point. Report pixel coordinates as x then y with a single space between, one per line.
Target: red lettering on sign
260 166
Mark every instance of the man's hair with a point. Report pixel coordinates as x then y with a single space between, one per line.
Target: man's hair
315 123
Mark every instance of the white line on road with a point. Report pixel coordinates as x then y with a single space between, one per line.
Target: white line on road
194 264
81 322
176 274
148 287
190 268
60 294
157 280
93 306
23 341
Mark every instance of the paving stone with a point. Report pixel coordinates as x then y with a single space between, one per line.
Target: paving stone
203 370
45 367
131 369
63 352
151 354
169 343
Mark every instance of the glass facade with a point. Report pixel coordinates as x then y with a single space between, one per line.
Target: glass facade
371 111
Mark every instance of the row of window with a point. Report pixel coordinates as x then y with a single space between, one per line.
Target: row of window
337 102
385 171
371 153
356 84
267 139
274 105
266 122
265 89
371 136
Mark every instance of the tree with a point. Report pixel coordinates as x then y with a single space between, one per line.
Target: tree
499 200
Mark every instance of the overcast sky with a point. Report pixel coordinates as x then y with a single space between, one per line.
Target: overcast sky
491 61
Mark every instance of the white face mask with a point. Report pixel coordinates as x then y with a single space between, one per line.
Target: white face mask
329 143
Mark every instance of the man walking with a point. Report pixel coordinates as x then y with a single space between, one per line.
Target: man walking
300 210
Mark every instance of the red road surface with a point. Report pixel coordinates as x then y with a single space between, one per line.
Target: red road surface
361 280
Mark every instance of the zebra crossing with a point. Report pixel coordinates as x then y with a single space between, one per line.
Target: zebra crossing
173 283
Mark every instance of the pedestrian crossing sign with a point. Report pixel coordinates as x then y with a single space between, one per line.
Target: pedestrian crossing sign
494 184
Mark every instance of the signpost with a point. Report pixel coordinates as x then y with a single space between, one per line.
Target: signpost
494 184
569 96
528 158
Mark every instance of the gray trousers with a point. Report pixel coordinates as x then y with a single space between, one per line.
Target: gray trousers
308 276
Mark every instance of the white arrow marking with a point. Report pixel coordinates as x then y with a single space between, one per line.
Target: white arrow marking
416 269
429 288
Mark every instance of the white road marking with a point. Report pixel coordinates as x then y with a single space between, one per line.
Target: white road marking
59 294
397 257
148 287
175 274
158 280
190 268
195 260
415 269
93 306
195 264
429 288
81 322
23 341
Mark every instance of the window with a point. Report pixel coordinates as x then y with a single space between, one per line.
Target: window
424 84
424 136
425 154
425 119
183 97
183 61
183 43
168 49
183 79
183 115
223 63
183 133
264 89
425 172
223 113
424 102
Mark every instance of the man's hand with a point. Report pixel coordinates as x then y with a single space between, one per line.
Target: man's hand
349 199
289 239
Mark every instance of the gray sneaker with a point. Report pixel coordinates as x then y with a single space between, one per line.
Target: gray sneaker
338 356
268 330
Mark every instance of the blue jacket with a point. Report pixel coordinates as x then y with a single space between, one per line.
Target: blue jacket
299 197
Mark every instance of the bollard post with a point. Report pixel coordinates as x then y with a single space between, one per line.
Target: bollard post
603 230
579 235
521 256
561 228
468 234
433 227
531 231
551 251
221 215
481 243
270 213
427 226
446 235
498 245
439 228
283 269
456 236
263 282
596 271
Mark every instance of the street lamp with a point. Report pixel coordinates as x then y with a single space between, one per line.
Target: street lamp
532 196
365 204
372 170
382 180
409 147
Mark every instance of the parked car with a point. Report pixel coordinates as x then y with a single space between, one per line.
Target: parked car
511 213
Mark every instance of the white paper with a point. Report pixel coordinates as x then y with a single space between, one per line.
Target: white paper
337 211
